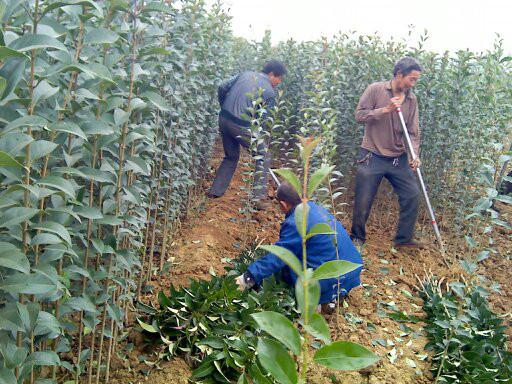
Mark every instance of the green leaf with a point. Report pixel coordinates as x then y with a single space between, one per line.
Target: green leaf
320 229
242 379
7 160
318 328
3 85
276 360
8 52
91 213
317 178
257 376
82 304
101 36
30 41
345 356
291 178
214 342
11 257
333 269
157 7
7 376
68 127
157 100
43 91
313 296
94 70
47 358
59 183
204 369
50 226
13 71
147 327
41 148
59 4
301 216
24 121
278 326
17 215
29 284
308 145
285 255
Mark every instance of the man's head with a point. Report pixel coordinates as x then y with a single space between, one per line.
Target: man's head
287 197
275 70
407 72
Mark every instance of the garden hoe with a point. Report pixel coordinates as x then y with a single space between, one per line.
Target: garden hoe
422 184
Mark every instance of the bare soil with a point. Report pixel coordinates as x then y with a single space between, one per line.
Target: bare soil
218 230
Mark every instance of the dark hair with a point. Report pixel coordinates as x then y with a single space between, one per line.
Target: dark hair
276 67
406 65
288 194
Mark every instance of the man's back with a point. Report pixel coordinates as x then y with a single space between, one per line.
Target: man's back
249 82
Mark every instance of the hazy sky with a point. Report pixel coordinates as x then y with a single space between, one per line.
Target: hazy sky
452 24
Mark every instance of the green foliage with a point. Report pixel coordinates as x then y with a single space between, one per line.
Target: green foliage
468 340
107 121
215 324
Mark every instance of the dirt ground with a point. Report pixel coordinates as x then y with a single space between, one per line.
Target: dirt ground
217 231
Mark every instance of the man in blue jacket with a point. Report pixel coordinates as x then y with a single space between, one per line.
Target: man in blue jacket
320 249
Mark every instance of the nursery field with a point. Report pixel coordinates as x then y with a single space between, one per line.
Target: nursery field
390 286
115 267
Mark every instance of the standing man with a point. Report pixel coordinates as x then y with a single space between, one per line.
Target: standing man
383 152
236 97
320 249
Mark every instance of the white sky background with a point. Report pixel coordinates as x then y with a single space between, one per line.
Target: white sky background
451 24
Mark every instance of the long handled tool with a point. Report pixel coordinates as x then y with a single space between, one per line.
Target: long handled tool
422 183
274 177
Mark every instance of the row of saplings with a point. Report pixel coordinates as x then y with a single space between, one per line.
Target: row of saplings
265 336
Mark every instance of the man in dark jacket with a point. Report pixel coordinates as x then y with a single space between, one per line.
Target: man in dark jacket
319 248
236 98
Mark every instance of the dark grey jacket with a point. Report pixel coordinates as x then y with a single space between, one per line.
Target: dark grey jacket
235 95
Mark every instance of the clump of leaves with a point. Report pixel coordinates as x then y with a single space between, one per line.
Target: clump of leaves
468 339
211 323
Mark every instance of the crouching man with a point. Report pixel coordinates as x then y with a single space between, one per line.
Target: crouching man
320 249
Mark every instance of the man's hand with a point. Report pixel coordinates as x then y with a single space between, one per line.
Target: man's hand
394 104
241 283
245 281
415 164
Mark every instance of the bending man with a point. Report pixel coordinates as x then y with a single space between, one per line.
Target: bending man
320 249
236 97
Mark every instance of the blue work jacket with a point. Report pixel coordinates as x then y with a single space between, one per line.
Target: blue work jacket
319 248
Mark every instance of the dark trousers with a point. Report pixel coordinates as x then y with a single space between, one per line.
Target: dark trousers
371 169
233 136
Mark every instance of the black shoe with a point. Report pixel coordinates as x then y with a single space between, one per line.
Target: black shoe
211 195
412 244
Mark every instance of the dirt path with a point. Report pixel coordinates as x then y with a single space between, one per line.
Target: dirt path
217 232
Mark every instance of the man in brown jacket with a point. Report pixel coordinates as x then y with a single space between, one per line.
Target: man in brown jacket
384 154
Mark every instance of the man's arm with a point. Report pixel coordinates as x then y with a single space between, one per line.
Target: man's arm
413 127
269 264
366 111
